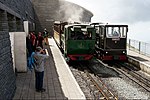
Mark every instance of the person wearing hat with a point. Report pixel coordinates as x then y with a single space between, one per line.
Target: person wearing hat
39 60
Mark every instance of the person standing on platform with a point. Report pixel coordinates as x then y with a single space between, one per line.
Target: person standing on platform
45 34
40 40
29 45
29 48
39 60
33 39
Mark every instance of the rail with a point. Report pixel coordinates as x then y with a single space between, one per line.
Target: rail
138 78
107 94
139 46
97 88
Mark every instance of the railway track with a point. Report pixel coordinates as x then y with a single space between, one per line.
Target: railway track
103 92
129 70
93 72
97 87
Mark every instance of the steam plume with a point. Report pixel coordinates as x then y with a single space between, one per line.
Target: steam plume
70 12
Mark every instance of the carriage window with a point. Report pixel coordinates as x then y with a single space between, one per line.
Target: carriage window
102 31
77 35
123 31
113 31
97 29
66 35
116 31
109 31
88 35
72 35
62 29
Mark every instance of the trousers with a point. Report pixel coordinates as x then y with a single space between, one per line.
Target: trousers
39 80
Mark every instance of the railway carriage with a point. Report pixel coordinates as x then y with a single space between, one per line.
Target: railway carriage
111 41
75 40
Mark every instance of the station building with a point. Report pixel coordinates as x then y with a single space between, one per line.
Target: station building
17 19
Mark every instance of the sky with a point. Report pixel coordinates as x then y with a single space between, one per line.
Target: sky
134 13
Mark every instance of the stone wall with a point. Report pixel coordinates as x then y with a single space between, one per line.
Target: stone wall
12 15
7 75
17 11
43 14
48 11
19 8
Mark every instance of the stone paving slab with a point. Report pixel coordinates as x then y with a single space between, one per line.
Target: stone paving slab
25 83
59 82
69 85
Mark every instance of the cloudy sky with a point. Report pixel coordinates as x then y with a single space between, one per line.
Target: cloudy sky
135 13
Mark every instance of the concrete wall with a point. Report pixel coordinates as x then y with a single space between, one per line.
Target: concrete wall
20 51
142 65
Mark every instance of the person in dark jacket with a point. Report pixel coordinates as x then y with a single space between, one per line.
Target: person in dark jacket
40 40
29 48
29 45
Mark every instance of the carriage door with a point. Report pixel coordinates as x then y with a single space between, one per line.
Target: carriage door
97 40
101 31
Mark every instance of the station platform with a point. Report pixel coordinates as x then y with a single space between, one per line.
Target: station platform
141 61
59 82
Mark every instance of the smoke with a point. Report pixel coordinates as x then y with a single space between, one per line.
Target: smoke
70 12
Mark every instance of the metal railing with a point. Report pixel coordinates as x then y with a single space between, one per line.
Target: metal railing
138 46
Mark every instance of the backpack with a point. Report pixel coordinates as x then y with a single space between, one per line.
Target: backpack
32 62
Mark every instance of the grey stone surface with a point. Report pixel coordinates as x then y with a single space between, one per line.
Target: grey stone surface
12 14
7 76
21 7
26 84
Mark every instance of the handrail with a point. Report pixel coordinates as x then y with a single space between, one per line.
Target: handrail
139 46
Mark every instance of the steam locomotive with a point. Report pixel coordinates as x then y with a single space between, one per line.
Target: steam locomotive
76 40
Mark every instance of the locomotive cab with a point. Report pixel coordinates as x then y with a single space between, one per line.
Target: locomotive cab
80 42
76 33
111 41
77 41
